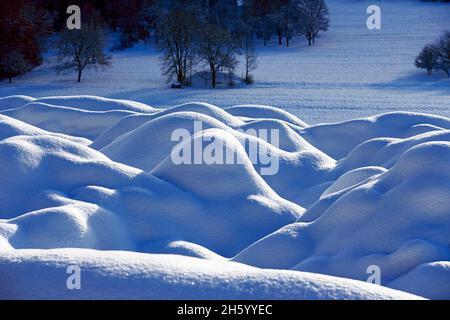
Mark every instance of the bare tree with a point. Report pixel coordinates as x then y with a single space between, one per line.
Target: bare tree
250 56
217 50
177 45
427 58
81 49
314 18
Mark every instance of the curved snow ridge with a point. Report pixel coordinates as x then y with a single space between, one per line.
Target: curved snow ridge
132 122
67 120
31 166
15 101
84 102
250 111
10 127
385 152
398 220
285 123
338 139
152 142
127 275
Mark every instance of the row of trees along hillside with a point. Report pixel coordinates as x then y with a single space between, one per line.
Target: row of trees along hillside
191 34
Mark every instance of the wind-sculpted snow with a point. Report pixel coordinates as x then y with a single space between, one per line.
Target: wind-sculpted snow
67 186
332 199
90 103
129 275
330 138
399 220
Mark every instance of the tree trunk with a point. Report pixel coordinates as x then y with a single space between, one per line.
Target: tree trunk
79 76
287 42
265 43
10 79
309 41
280 38
213 78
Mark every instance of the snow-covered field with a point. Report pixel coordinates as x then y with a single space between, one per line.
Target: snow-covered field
88 180
350 72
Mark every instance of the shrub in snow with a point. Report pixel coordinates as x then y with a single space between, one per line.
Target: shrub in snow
436 56
427 58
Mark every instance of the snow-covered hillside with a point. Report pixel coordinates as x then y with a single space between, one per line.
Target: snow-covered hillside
350 71
346 197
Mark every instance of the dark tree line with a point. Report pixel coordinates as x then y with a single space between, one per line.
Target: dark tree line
213 33
286 18
190 33
23 26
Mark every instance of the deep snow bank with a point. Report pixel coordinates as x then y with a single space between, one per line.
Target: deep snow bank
330 138
399 220
126 275
385 202
82 196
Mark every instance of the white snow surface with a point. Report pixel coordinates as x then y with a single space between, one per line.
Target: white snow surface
130 275
109 198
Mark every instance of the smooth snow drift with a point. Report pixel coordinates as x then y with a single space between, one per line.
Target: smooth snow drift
97 175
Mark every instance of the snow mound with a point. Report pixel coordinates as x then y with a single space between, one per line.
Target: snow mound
265 112
132 122
385 152
398 221
89 103
32 166
127 275
239 188
299 169
150 143
351 178
80 195
67 120
338 139
10 127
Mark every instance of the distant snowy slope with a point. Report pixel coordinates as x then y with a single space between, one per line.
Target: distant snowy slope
350 72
